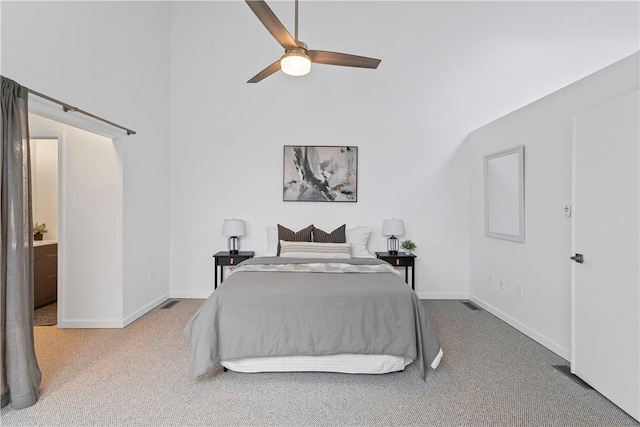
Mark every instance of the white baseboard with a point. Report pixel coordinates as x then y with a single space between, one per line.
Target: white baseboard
190 294
436 295
531 333
421 295
91 324
145 309
111 323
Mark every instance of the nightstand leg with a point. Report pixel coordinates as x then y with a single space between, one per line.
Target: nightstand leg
221 274
406 274
215 277
413 277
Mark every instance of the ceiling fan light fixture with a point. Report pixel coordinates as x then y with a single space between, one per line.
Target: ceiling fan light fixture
297 57
295 63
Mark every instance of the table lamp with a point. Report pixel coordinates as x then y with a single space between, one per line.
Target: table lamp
393 227
233 228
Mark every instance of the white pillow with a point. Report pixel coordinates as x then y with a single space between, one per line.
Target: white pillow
272 240
358 237
315 250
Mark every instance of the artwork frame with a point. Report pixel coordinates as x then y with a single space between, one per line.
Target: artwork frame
320 173
504 198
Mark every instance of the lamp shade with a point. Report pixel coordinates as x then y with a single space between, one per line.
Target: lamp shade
233 228
392 227
295 63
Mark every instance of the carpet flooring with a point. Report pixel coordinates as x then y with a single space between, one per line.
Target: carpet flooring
491 375
46 315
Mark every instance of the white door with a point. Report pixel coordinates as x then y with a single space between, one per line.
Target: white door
605 290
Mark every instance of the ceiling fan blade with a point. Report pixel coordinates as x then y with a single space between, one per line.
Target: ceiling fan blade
272 23
266 72
344 59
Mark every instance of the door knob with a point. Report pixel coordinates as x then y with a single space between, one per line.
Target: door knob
579 258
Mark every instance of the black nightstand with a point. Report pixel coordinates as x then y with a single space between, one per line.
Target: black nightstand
402 260
225 258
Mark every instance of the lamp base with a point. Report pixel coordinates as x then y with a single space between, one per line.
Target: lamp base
232 245
393 245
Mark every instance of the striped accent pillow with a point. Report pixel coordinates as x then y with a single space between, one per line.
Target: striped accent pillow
315 250
336 236
287 235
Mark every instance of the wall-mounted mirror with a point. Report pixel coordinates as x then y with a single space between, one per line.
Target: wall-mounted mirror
504 194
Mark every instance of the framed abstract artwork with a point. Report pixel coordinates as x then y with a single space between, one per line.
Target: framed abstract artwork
320 174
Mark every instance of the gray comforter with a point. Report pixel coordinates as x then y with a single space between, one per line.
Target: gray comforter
310 313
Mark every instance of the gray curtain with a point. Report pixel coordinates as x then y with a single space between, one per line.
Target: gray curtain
20 372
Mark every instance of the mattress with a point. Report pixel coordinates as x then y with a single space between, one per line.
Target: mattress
341 363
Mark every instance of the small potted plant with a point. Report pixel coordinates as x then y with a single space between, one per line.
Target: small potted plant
408 246
38 230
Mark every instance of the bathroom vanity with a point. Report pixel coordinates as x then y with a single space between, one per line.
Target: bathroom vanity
45 267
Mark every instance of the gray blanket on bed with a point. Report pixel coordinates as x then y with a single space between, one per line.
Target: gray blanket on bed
289 313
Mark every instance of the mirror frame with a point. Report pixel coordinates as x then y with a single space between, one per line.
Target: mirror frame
519 177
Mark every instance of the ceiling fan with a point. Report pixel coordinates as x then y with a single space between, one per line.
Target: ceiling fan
297 58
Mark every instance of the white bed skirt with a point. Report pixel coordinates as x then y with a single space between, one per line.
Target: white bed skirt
342 363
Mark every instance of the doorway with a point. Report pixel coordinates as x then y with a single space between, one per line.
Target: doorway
89 232
45 212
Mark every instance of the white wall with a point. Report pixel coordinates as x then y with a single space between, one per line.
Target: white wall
44 184
90 238
176 73
111 59
542 263
447 68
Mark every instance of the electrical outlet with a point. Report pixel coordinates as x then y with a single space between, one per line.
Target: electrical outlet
490 279
149 276
501 283
520 290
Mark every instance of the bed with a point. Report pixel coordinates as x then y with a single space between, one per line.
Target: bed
285 313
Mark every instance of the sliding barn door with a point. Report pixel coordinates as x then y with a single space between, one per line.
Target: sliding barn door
606 260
